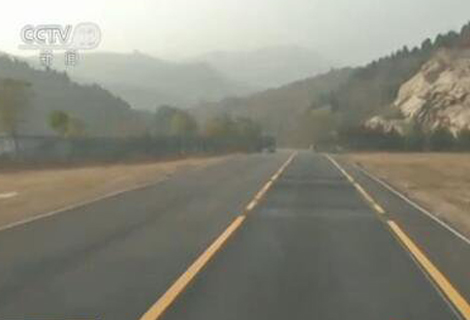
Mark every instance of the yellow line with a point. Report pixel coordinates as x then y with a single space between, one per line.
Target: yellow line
379 209
364 192
452 294
180 284
263 191
447 288
358 187
270 182
172 293
251 205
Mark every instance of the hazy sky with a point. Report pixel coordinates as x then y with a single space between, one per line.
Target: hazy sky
350 31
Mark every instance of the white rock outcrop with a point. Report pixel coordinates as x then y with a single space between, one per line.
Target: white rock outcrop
437 96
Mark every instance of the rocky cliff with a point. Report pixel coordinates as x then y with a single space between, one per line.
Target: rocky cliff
438 96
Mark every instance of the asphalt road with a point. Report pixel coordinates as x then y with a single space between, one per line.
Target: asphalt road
312 248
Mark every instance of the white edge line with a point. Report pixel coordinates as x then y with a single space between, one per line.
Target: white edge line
439 291
8 195
414 204
78 205
87 202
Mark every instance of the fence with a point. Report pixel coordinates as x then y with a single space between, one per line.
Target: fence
38 148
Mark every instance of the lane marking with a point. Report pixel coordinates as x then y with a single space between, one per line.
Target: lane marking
164 302
8 195
253 203
79 205
173 292
91 201
431 271
415 205
449 290
377 207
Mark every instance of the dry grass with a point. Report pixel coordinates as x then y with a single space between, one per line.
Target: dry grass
440 181
47 189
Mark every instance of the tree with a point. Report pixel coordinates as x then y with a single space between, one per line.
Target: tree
14 101
248 133
76 128
247 129
241 133
183 124
318 127
220 127
441 139
415 138
463 140
163 117
59 121
465 36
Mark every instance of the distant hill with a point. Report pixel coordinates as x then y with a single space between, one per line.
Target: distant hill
147 82
280 110
102 113
268 67
347 98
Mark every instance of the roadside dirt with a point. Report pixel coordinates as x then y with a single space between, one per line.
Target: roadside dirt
439 181
29 192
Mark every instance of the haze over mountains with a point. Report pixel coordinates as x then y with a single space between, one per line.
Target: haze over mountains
147 82
346 97
270 66
231 83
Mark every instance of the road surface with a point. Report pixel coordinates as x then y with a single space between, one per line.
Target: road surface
210 245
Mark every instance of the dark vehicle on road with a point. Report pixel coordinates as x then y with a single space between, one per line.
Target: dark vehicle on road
268 144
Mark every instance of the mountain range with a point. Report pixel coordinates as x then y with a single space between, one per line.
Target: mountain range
146 82
269 66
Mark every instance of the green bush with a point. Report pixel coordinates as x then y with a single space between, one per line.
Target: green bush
463 140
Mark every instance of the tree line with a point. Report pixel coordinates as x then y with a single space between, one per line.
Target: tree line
235 132
337 116
172 128
415 138
375 86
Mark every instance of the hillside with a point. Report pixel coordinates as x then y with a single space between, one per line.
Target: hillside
269 66
344 99
101 112
372 88
147 82
281 109
438 96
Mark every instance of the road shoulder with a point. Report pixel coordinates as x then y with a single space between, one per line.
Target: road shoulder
449 252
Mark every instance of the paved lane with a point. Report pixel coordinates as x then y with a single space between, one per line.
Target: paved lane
451 253
112 259
313 249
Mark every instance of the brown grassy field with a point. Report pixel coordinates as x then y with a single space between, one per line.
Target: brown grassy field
439 181
47 189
